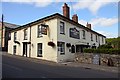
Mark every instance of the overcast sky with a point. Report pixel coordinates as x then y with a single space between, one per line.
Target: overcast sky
102 14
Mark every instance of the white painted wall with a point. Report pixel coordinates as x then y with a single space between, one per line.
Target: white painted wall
50 53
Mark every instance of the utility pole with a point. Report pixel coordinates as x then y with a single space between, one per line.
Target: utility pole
2 31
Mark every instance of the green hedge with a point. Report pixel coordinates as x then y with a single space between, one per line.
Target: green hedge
104 51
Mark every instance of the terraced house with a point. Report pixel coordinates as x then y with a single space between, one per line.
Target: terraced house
56 38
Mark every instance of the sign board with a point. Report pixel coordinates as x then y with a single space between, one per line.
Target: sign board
96 59
74 33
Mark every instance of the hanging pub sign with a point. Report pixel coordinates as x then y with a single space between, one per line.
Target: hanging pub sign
44 29
74 33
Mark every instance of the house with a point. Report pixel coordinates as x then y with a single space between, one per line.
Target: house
4 34
55 38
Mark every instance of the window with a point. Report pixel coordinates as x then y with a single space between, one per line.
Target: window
25 34
15 36
14 49
96 38
9 36
39 47
62 28
61 47
83 34
91 37
102 40
39 31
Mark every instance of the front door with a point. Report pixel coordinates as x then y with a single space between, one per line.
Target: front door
25 49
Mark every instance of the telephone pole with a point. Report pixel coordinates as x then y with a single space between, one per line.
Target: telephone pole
2 31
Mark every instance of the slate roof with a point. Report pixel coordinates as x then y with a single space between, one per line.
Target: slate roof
56 15
9 25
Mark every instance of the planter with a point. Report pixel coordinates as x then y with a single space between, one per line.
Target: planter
51 44
68 45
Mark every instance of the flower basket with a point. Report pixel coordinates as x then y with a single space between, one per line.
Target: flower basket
51 44
68 45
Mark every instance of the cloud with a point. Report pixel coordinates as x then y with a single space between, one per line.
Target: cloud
92 5
103 22
38 3
108 34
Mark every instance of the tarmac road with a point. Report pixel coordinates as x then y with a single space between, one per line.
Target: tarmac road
21 67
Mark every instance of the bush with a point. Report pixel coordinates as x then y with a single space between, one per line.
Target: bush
105 47
104 51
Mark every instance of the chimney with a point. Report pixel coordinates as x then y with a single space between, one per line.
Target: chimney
88 25
75 18
66 12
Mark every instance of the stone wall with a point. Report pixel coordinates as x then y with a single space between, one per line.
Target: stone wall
99 59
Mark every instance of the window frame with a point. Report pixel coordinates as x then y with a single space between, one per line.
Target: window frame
25 34
39 31
15 36
14 49
96 38
61 47
62 25
91 37
83 34
39 49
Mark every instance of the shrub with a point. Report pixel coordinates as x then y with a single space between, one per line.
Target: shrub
104 51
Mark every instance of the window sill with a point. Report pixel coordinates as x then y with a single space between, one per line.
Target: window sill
39 56
62 33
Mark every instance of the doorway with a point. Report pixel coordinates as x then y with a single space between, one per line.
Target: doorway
25 49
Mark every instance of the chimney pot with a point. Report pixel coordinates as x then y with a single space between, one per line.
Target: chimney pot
66 12
88 25
75 18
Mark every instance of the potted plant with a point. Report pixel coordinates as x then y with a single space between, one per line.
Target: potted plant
51 44
68 45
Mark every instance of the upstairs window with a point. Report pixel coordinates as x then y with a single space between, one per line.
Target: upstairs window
9 36
96 38
61 48
15 36
91 37
39 31
25 34
83 34
102 40
62 27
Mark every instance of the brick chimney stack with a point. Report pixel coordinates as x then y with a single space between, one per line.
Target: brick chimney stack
75 18
66 12
88 25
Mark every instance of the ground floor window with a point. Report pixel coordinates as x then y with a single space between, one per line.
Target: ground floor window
39 51
14 49
61 47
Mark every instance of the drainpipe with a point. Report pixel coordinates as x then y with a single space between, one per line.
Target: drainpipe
30 43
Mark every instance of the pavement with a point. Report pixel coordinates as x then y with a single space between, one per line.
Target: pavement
71 64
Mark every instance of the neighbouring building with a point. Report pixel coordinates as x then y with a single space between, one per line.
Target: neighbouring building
56 38
4 34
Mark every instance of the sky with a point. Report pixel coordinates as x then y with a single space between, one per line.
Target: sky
101 14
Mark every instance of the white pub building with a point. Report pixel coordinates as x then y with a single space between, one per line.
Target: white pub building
55 38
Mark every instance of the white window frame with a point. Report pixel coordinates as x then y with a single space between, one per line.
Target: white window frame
39 31
25 34
15 36
61 48
84 34
39 49
62 27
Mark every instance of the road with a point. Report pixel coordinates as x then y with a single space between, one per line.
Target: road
14 67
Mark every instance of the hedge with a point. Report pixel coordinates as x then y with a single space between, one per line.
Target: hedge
104 51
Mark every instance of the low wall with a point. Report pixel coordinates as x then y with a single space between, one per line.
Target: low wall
99 59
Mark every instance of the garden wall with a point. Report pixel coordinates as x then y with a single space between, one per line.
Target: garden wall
99 59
